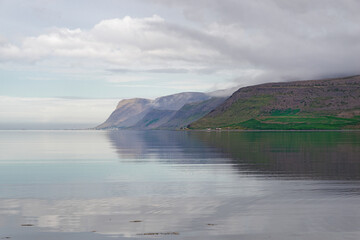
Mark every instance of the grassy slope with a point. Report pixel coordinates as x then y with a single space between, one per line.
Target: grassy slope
247 115
262 111
298 123
238 112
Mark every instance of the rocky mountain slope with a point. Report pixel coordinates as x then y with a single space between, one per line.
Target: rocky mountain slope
314 104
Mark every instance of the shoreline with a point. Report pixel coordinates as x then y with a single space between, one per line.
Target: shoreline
190 130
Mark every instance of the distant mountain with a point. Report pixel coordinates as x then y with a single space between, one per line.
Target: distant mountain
191 112
314 104
148 114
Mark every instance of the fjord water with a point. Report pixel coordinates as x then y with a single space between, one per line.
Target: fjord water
179 185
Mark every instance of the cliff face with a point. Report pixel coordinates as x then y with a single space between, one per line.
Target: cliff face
315 104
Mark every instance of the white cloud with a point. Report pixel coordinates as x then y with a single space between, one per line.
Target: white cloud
135 43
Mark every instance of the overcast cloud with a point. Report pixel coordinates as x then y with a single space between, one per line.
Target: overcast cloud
282 39
277 38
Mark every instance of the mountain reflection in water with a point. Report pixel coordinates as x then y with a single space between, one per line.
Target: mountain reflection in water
298 154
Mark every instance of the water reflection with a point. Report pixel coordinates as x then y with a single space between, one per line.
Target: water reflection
202 185
164 146
325 155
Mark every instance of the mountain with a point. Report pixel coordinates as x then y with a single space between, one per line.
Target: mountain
171 119
314 104
146 113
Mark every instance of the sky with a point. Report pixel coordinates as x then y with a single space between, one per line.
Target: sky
67 63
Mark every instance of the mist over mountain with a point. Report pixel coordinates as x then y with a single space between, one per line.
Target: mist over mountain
127 112
167 112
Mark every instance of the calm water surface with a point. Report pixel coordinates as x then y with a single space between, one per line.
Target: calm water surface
179 185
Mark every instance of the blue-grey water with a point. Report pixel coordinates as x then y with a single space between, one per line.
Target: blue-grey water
179 185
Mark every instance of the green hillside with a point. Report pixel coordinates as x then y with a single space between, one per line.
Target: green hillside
330 104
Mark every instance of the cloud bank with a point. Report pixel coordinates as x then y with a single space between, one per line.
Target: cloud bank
249 41
128 43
